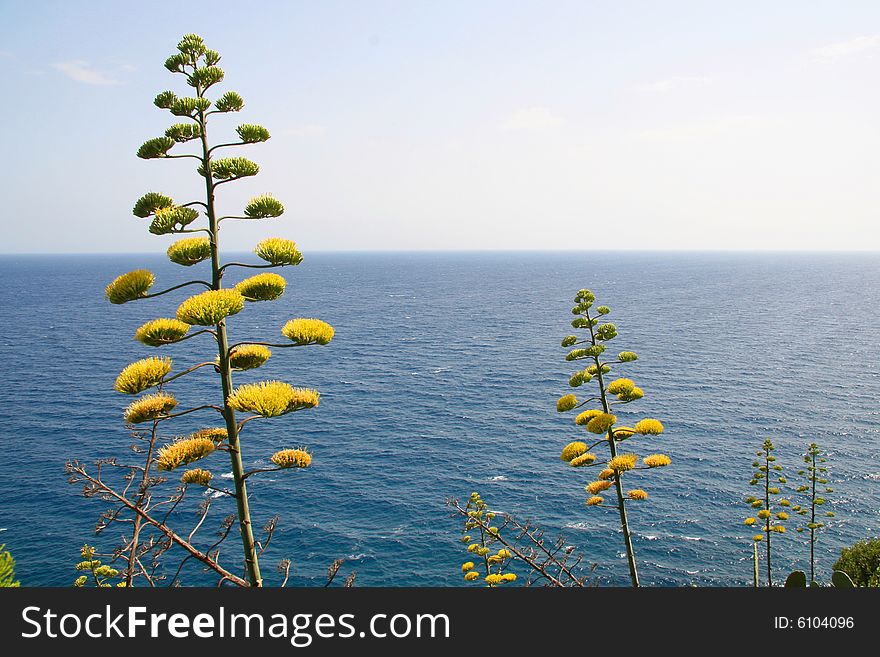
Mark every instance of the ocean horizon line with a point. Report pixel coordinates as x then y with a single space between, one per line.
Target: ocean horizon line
6 254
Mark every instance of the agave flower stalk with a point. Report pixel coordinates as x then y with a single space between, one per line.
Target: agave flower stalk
211 309
817 478
766 469
492 562
602 422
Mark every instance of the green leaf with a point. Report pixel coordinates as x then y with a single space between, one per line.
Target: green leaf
797 579
841 580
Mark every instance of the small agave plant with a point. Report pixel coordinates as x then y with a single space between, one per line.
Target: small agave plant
599 421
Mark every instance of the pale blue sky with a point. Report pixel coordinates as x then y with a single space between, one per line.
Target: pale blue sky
460 125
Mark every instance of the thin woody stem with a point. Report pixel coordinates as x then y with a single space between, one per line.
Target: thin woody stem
167 531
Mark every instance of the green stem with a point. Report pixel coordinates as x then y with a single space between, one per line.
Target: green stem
757 578
618 487
251 559
813 522
767 506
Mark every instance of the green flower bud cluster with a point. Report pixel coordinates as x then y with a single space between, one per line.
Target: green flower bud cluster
229 102
229 168
264 207
154 148
252 134
205 77
182 132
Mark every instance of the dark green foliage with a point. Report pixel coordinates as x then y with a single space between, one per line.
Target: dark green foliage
861 562
7 569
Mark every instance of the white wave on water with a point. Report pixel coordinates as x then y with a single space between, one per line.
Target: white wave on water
498 478
2 529
872 475
693 538
357 557
226 475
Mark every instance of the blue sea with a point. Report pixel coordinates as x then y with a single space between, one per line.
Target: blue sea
442 380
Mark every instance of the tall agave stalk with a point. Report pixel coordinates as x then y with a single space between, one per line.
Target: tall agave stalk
770 520
212 308
602 422
816 475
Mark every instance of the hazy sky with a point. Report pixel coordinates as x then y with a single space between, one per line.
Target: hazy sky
459 125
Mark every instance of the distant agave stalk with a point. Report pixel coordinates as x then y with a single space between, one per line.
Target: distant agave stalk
765 468
816 475
601 421
211 309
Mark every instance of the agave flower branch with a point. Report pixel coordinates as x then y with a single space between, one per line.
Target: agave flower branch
602 422
210 310
552 564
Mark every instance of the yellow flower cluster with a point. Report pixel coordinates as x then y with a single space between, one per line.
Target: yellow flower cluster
304 330
582 460
637 494
130 286
595 487
142 374
763 514
583 418
620 387
601 423
184 451
149 407
594 501
566 403
750 521
573 450
471 576
197 476
607 473
278 251
622 433
161 331
656 460
190 251
649 426
211 307
262 287
215 434
494 579
272 398
249 356
623 462
632 395
292 458
466 566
